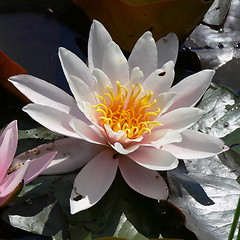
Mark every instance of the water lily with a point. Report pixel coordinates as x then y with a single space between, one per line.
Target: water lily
12 177
124 114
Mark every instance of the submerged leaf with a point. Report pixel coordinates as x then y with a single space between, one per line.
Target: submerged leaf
127 20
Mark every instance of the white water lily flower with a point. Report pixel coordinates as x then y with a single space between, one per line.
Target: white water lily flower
126 111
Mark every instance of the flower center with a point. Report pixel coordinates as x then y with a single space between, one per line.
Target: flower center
127 111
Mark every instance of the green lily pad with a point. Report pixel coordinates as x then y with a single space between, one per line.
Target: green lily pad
41 216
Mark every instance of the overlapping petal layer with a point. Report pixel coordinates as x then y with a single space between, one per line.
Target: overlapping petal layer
11 177
126 110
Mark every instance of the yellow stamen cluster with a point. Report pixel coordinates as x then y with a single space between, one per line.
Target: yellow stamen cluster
127 112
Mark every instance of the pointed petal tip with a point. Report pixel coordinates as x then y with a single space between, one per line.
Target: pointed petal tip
17 77
12 125
62 51
172 36
147 34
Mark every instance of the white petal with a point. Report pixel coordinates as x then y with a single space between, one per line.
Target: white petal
120 149
93 181
154 159
97 43
144 55
145 181
115 64
165 100
8 146
191 89
86 132
51 118
73 65
119 136
161 137
44 93
160 80
195 145
72 154
167 49
137 76
180 119
81 90
102 81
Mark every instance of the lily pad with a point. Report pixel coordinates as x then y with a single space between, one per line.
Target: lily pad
40 216
213 222
219 44
217 12
106 217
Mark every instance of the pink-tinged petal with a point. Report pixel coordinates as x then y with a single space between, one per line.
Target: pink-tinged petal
8 146
144 55
51 118
160 80
115 64
119 136
81 90
73 65
154 159
191 89
195 145
180 119
161 137
11 181
72 154
44 93
165 100
137 76
167 49
114 136
97 43
124 150
102 81
145 181
86 132
37 166
93 181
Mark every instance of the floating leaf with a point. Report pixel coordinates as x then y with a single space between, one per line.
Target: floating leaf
232 140
218 45
38 215
222 112
104 218
213 222
127 20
